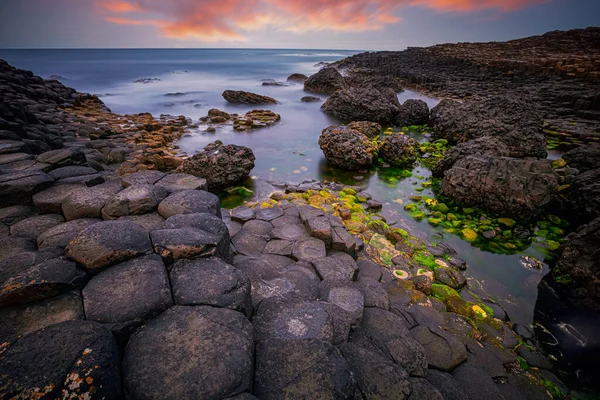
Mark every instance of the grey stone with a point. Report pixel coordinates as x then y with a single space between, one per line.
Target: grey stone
61 235
150 221
188 202
446 385
32 227
88 202
475 383
443 350
335 269
181 182
135 200
19 187
70 172
149 177
422 389
269 214
50 201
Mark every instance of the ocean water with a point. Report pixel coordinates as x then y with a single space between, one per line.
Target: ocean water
190 82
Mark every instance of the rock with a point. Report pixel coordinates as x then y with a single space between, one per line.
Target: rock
221 165
50 201
320 228
241 97
475 383
12 214
450 277
326 81
248 244
341 240
399 150
11 246
505 186
584 197
74 359
310 99
286 285
446 385
19 187
279 247
413 112
13 146
62 157
109 242
444 351
346 148
372 130
486 359
486 145
189 202
211 282
335 269
61 235
584 158
70 172
375 294
310 249
579 260
242 214
180 182
513 120
23 166
422 389
534 358
149 177
297 78
363 104
269 214
46 279
292 321
24 319
150 221
32 227
368 269
88 202
290 232
135 200
126 294
348 297
190 352
389 332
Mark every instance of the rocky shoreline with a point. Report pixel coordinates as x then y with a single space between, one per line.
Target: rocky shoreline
124 278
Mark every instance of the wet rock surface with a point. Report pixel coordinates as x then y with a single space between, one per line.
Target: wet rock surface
326 81
241 97
363 104
346 148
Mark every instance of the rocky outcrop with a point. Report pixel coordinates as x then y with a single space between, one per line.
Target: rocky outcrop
372 130
326 81
398 150
506 186
515 122
253 119
486 145
413 112
241 97
221 165
346 148
363 104
297 78
584 158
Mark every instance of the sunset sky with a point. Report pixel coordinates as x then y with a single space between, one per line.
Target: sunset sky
308 24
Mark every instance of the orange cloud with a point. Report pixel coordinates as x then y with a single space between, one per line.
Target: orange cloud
230 20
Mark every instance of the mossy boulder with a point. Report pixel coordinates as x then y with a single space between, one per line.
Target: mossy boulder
398 150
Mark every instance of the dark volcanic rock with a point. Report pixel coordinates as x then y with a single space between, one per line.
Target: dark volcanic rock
190 202
372 130
19 187
446 385
180 182
506 186
444 351
326 81
142 178
514 121
109 242
220 165
135 200
413 112
310 369
310 99
190 353
124 295
32 227
297 78
62 234
50 201
62 157
476 383
486 145
88 202
399 150
363 104
74 359
241 97
346 148
584 196
584 158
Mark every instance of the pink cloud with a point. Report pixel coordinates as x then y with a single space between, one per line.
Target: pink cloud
230 20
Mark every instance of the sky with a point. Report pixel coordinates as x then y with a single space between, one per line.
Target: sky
301 24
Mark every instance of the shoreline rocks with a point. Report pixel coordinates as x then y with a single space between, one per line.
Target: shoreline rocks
241 97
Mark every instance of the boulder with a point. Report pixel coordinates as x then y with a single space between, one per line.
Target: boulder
486 145
347 148
513 120
88 202
310 249
135 200
505 186
221 165
583 202
584 157
32 227
241 97
70 172
126 294
190 353
61 235
363 104
19 187
308 369
443 350
109 242
211 282
326 81
475 383
297 78
149 177
372 130
62 157
190 202
12 214
399 150
180 182
73 359
413 112
445 384
422 389
50 201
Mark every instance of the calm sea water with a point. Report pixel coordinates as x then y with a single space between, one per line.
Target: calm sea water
190 82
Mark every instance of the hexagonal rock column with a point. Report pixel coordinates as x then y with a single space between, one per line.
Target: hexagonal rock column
74 359
190 353
188 202
135 200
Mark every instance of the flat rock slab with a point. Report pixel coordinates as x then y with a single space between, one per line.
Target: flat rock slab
445 384
109 242
47 279
14 157
242 214
23 166
88 202
135 200
248 244
186 243
320 228
263 266
375 294
62 157
126 294
24 319
50 201
348 298
18 188
211 282
12 146
290 285
280 247
287 321
75 359
444 351
70 172
12 214
269 214
303 369
149 177
188 202
61 235
88 180
422 389
181 182
476 383
190 353
335 269
150 221
310 249
32 227
258 228
292 232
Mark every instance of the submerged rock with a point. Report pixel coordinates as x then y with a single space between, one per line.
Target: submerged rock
221 165
326 81
310 99
398 150
364 104
346 148
241 97
297 78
